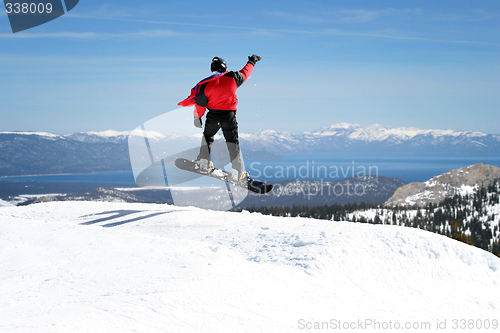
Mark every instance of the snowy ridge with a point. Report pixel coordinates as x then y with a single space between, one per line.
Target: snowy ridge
86 266
110 133
113 136
350 138
380 132
337 138
42 134
458 181
372 133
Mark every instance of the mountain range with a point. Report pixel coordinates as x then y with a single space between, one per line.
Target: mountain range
23 153
337 138
342 138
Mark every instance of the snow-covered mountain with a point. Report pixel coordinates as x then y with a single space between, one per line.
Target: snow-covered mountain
376 138
341 137
37 134
382 133
112 136
108 267
459 181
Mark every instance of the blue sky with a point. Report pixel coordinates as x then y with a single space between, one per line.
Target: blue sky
116 64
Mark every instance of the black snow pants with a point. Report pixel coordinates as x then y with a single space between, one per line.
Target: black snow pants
215 120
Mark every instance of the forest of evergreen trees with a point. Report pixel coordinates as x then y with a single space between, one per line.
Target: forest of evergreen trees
469 218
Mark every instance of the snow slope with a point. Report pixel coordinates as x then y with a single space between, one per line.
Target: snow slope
4 204
117 267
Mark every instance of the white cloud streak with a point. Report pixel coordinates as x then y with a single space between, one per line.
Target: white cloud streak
154 33
342 15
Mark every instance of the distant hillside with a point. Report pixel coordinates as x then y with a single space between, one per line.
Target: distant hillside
458 181
100 194
43 153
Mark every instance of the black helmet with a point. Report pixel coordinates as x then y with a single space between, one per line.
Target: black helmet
218 65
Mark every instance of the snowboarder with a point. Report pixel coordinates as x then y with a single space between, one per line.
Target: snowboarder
217 93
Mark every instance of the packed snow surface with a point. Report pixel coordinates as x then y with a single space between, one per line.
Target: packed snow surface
117 267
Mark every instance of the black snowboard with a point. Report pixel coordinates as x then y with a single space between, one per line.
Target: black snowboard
252 185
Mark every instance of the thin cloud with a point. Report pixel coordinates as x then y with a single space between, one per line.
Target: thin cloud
380 35
297 17
344 15
352 15
388 36
92 60
472 16
124 19
32 35
155 33
111 11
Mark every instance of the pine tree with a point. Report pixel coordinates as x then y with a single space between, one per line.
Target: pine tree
458 234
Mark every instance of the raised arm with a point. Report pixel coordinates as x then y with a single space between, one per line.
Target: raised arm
241 76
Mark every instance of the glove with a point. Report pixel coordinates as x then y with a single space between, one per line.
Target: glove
197 122
253 59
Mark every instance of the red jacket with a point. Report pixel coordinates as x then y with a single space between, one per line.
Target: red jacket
218 93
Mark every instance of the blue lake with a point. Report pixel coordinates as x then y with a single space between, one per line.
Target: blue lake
409 167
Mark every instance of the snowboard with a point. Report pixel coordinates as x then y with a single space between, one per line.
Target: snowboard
251 185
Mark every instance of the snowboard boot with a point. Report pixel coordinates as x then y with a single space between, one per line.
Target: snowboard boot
236 177
205 166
